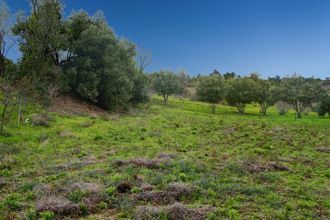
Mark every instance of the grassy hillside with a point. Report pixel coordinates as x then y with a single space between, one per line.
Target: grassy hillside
167 161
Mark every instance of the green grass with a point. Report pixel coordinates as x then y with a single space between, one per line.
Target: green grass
213 155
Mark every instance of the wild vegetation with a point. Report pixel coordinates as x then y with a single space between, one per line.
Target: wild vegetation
85 132
163 160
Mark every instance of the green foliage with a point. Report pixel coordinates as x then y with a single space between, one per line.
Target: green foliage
212 155
264 94
211 89
299 92
324 106
80 55
47 215
42 37
166 83
241 91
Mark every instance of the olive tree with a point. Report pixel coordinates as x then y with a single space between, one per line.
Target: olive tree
300 93
324 106
264 95
211 89
166 83
240 93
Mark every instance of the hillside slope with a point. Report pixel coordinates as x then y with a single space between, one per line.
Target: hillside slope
168 162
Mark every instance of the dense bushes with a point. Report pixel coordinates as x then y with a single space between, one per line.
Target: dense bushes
81 55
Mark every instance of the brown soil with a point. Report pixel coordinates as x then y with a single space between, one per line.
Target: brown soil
68 105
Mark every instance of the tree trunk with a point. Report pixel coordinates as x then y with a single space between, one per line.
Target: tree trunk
263 108
3 115
2 57
213 107
2 66
165 99
299 109
19 114
241 108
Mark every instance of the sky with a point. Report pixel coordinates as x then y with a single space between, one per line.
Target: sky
270 37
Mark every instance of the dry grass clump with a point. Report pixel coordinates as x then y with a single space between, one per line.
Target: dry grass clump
176 211
87 187
171 195
58 205
65 197
155 163
323 149
73 165
146 187
147 213
66 134
257 167
180 188
41 120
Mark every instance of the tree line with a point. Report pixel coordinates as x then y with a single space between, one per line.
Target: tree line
294 92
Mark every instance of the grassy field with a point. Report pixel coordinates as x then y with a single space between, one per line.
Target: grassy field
164 161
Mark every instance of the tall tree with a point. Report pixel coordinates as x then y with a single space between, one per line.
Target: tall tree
42 40
102 69
6 38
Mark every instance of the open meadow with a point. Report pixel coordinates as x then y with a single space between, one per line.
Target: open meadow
161 162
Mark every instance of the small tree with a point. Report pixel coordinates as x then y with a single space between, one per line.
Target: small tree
211 89
7 99
264 95
143 59
166 83
300 93
324 106
240 93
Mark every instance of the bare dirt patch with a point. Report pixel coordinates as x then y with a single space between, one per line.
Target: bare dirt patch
68 105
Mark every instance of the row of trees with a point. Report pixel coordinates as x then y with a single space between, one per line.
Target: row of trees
297 92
